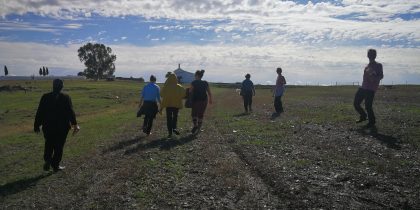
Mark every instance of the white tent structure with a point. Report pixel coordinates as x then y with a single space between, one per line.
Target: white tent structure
184 76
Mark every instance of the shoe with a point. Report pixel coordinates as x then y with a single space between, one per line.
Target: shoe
194 130
176 132
46 166
59 168
148 133
361 119
169 136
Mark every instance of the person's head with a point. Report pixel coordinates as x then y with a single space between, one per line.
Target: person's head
279 70
171 79
57 85
199 74
247 76
371 54
152 78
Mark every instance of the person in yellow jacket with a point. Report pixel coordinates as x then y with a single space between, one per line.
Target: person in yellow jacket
172 94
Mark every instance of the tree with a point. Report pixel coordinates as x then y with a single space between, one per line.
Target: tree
98 59
43 71
46 71
6 72
81 74
40 71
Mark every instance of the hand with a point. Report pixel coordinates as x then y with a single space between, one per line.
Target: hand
36 130
76 129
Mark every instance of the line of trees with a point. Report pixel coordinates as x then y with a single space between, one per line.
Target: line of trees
43 71
98 59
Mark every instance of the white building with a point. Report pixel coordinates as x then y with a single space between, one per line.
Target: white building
184 76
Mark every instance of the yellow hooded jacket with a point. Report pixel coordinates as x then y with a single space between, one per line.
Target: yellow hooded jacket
172 93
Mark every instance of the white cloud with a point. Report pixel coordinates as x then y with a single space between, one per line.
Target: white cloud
371 19
72 26
226 63
24 26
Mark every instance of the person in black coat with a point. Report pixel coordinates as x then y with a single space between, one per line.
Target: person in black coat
56 116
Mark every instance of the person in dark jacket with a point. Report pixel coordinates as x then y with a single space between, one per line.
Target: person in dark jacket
247 92
56 116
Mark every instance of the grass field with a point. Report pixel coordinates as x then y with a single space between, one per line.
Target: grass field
312 156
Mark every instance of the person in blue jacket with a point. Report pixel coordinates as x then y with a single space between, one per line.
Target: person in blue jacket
149 101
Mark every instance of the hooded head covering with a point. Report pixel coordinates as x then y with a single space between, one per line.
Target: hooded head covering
57 85
172 92
172 81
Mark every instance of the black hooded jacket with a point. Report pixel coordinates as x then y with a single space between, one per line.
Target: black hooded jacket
55 113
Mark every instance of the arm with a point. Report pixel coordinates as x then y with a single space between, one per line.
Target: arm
158 96
380 72
141 98
284 80
253 89
73 120
39 118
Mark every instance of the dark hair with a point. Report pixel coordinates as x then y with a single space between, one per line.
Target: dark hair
279 70
371 53
199 73
247 76
152 78
57 85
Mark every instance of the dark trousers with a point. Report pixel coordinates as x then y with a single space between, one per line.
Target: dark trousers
197 112
171 118
278 106
247 102
367 96
54 144
147 123
149 109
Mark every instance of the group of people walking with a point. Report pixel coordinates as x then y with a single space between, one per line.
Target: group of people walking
170 97
56 115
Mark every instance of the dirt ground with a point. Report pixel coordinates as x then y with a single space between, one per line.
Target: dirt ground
241 162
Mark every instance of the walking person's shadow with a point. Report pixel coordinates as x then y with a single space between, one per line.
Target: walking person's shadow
162 143
388 140
21 185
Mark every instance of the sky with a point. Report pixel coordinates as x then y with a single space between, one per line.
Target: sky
314 42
